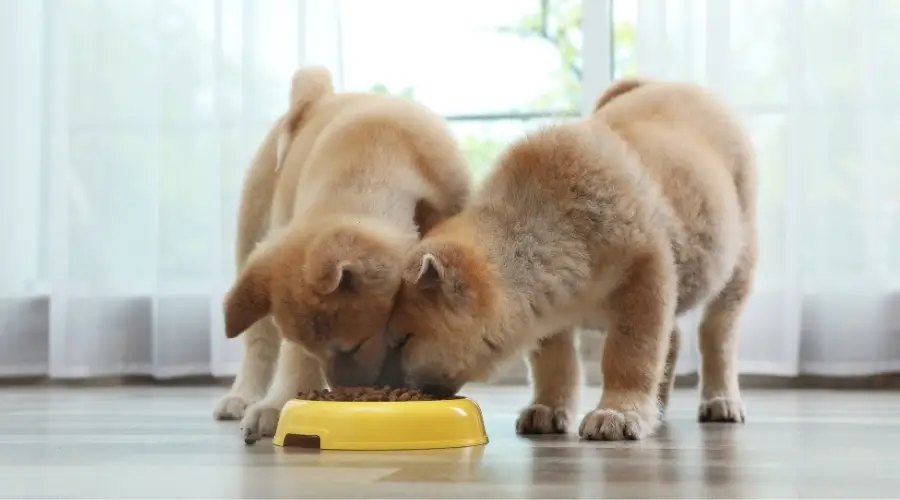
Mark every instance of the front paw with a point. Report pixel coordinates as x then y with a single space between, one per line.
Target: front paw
722 409
542 419
605 424
232 406
260 420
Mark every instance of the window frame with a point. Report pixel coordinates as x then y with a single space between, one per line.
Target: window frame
597 68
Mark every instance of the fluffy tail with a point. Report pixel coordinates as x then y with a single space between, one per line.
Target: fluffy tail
618 88
307 86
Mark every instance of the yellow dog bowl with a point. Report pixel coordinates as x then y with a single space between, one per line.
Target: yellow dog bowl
398 425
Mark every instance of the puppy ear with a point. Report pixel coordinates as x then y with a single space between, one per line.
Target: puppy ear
332 276
430 272
439 267
249 300
353 260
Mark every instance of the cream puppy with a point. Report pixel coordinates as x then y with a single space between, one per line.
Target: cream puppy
622 221
341 188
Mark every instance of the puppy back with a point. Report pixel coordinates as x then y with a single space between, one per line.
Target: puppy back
381 142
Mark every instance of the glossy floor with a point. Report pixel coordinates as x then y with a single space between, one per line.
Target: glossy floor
154 442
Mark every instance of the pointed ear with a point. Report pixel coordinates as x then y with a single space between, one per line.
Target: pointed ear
332 277
249 300
429 271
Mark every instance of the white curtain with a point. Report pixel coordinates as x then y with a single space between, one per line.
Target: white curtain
126 126
818 85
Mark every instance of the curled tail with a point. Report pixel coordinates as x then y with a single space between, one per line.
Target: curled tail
618 88
307 86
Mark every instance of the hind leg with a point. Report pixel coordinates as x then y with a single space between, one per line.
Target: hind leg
668 382
719 387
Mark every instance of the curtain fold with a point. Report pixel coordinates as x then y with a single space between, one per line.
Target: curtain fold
126 132
816 84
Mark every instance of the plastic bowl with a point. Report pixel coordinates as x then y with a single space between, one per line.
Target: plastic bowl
381 426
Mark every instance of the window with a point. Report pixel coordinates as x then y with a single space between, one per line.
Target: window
494 68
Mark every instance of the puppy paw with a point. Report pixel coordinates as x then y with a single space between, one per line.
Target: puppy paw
232 406
542 419
614 425
260 420
722 409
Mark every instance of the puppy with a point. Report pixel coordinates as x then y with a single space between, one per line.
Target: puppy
341 188
623 222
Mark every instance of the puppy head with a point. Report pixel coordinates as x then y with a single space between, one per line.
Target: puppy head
331 293
445 317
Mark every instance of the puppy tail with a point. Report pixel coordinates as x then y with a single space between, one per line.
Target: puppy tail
618 88
307 86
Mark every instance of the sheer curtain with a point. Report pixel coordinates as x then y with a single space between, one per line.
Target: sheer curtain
126 126
816 82
126 129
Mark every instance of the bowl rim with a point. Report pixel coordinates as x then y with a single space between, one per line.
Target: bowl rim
443 400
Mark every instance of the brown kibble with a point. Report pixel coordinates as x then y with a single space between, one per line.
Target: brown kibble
366 394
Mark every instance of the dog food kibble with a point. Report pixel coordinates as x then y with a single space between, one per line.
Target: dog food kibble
371 394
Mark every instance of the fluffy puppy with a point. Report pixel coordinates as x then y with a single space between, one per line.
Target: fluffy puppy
623 222
341 188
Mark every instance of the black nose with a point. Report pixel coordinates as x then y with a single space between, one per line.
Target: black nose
439 391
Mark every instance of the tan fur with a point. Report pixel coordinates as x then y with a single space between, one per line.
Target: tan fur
618 88
623 221
340 190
